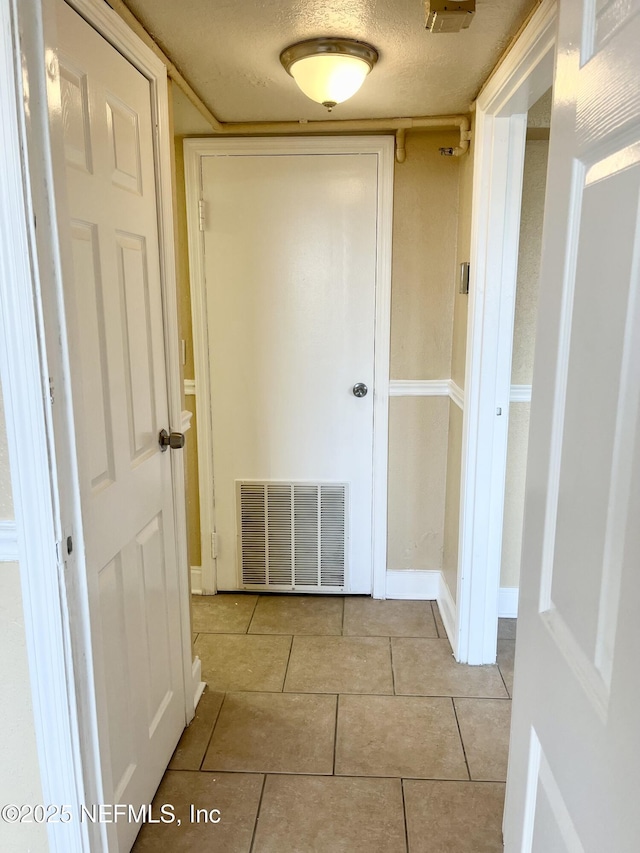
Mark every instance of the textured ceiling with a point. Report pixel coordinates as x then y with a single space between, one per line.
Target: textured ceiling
229 51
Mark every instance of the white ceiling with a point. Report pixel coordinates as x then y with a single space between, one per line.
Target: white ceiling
229 51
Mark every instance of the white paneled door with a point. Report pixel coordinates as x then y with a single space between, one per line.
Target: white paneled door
113 304
290 264
574 774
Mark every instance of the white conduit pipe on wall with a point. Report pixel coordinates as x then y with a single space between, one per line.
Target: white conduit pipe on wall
398 126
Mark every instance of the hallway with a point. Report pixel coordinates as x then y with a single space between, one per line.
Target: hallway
337 724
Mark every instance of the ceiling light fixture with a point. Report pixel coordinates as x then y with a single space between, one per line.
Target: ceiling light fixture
329 70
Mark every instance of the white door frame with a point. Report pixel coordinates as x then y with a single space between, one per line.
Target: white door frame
194 151
500 137
35 371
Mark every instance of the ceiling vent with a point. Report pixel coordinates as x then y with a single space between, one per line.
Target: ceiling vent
444 16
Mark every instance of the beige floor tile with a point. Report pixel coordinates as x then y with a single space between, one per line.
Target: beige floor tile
243 662
506 657
195 738
327 814
484 726
237 797
507 629
427 668
339 665
439 623
274 733
404 736
366 617
297 614
454 817
224 613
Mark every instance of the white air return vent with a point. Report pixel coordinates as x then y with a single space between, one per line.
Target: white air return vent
292 536
445 16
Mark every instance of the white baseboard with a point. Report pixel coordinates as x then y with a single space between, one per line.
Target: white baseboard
448 612
425 585
196 678
508 602
196 580
8 542
417 585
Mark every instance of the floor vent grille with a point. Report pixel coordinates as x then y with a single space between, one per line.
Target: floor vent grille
292 535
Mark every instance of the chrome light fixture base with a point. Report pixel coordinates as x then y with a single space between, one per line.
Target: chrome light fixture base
341 46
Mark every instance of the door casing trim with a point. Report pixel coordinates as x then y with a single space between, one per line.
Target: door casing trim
35 369
383 147
500 138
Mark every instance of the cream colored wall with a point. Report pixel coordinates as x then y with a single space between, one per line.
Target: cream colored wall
458 356
452 500
423 291
463 253
184 310
530 249
19 769
418 428
422 300
425 214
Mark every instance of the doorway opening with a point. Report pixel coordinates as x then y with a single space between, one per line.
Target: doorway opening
521 81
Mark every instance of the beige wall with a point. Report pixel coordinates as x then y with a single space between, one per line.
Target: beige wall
452 500
458 356
19 770
425 218
184 310
425 235
463 253
530 249
418 428
422 302
514 494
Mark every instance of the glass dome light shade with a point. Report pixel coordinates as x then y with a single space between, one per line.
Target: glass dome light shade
330 78
328 69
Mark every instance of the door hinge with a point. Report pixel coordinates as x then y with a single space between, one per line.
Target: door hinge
201 214
214 546
52 394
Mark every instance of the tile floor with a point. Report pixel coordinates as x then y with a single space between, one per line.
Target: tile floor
337 725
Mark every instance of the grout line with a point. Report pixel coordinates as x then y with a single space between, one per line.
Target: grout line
286 669
393 675
253 613
255 825
503 679
464 751
217 717
404 811
343 609
335 735
434 605
299 692
344 776
320 636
